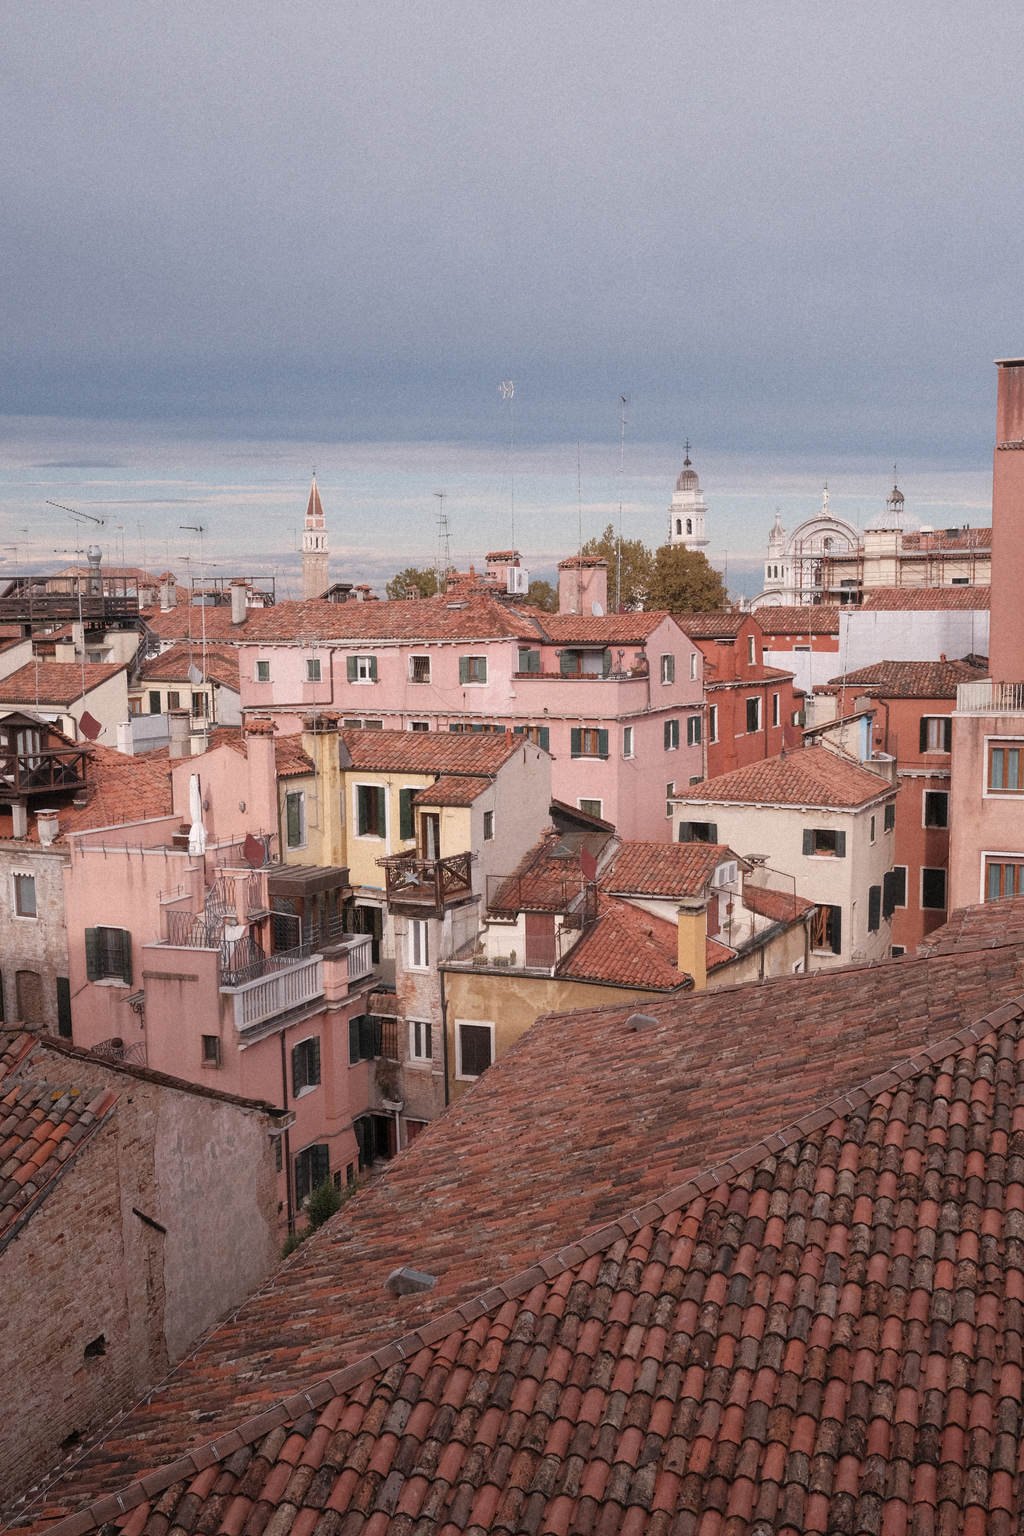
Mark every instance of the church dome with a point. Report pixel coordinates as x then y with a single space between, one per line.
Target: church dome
688 480
895 519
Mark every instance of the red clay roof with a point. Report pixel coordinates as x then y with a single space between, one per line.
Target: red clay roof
809 776
290 757
663 869
475 752
714 626
717 954
777 906
118 789
448 790
55 682
574 562
549 877
960 539
798 621
627 947
221 664
908 679
476 616
918 599
612 629
184 621
754 1267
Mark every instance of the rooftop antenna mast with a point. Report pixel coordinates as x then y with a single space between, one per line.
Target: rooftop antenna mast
618 541
444 550
508 391
79 518
198 528
579 531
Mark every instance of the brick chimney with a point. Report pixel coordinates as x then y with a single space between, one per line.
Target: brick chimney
693 934
1006 641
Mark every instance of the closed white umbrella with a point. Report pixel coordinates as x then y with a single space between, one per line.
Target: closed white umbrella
197 836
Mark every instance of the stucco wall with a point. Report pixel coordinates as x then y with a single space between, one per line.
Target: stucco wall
866 636
980 822
36 944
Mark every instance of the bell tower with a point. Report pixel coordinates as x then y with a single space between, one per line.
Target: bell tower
688 509
314 547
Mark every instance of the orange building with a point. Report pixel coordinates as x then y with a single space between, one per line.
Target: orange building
751 708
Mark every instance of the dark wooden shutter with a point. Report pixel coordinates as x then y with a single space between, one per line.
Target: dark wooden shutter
362 1129
320 1160
63 1007
668 735
712 831
837 930
350 668
874 908
353 1041
92 954
890 817
475 1040
380 811
923 736
126 957
463 669
367 1038
889 893
576 743
840 845
406 829
294 831
947 735
544 738
686 831
713 921
808 841
373 669
298 1075
314 1075
602 743
567 663
606 664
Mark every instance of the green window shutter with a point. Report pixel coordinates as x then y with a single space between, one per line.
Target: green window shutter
92 954
519 730
405 818
947 735
606 664
298 1080
576 743
668 734
686 831
837 930
315 1076
890 817
350 668
373 669
567 663
456 728
545 737
463 669
874 908
840 845
808 841
712 831
923 738
126 957
533 664
366 1033
602 743
381 809
63 1007
353 1042
321 1165
478 726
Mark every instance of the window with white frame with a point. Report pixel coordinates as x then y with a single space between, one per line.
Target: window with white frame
25 895
295 818
361 669
419 944
713 722
472 670
693 730
693 666
775 709
419 669
371 810
627 741
668 669
313 669
421 1045
671 735
670 790
751 650
591 807
262 673
754 714
474 1048
488 826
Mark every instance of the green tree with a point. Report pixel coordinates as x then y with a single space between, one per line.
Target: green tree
424 581
637 567
543 595
323 1203
683 581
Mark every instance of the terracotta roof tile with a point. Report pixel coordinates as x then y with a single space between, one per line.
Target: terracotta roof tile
714 626
472 752
810 776
955 539
717 954
777 906
118 789
55 682
447 616
790 1297
626 946
185 622
452 791
172 666
549 876
908 679
663 869
612 629
797 621
925 599
290 757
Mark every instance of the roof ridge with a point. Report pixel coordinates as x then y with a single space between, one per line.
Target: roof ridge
111 1506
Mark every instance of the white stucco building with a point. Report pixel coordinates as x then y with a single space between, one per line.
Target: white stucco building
688 509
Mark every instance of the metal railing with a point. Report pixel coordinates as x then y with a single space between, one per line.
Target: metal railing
261 998
1002 698
242 961
427 883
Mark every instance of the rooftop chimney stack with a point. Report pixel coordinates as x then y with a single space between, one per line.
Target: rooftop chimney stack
1006 642
238 599
94 555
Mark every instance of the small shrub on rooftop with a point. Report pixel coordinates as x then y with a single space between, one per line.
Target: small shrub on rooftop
323 1203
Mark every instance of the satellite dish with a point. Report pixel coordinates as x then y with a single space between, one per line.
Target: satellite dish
89 727
596 610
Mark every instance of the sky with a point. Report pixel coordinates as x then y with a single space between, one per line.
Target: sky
241 239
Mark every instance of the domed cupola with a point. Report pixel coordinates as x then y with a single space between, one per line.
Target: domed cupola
688 509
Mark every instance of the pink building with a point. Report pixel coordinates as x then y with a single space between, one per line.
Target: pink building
617 699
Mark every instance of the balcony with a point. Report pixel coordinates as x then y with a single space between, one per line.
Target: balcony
42 772
990 698
424 887
56 599
289 984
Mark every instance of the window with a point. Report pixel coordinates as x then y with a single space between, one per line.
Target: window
698 832
472 670
199 706
361 669
540 941
693 666
406 814
668 669
421 1044
370 810
365 1038
889 818
108 954
419 945
671 735
312 1167
154 701
262 674
897 950
539 734
313 670
63 1007
305 1065
25 895
894 890
173 700
775 709
295 819
933 889
874 908
211 1051
588 743
28 991
420 725
827 930
529 661
627 741
936 734
488 826
801 647
936 808
474 1049
419 669
751 650
430 835
1004 769
713 723
1004 877
872 829
693 730
590 807
824 842
670 790
135 706
754 714
689 525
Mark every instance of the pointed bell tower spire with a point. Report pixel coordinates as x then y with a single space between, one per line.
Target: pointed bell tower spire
314 546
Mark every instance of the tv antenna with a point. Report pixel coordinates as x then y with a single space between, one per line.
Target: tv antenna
200 530
80 518
444 553
618 541
508 391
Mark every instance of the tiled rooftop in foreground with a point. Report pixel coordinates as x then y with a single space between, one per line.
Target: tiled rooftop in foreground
755 1266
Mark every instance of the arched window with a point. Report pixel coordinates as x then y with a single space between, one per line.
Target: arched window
679 525
689 525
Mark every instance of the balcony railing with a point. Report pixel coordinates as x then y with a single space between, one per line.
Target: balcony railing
990 698
289 987
422 886
27 773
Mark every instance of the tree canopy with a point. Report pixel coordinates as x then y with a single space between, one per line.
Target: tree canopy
424 581
541 594
684 581
636 569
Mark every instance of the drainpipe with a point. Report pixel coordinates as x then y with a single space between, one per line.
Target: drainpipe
287 1141
444 1035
